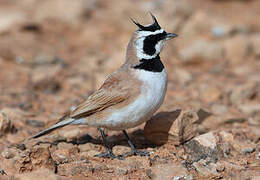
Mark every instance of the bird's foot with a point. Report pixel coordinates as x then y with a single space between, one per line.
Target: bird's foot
137 153
109 155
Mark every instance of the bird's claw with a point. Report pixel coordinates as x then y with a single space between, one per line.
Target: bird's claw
109 155
137 153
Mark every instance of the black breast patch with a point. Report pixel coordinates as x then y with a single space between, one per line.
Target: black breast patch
153 65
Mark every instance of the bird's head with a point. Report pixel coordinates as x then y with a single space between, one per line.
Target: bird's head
149 39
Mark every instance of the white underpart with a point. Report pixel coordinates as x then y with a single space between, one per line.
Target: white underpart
142 109
139 44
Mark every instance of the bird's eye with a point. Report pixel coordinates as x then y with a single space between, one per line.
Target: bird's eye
164 34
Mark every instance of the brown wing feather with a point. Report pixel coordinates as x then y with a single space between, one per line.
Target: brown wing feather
112 92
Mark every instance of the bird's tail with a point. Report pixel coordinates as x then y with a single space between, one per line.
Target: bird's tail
56 126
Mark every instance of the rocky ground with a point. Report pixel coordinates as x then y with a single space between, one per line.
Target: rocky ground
53 54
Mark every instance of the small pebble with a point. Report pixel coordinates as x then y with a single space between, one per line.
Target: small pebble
178 177
2 172
258 156
220 167
35 123
218 31
183 177
8 153
248 150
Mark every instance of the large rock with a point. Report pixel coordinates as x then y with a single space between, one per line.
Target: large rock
215 152
210 146
214 146
175 127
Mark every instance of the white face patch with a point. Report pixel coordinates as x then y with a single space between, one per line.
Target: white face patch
148 33
159 46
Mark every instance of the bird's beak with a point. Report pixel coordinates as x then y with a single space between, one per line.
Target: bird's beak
170 36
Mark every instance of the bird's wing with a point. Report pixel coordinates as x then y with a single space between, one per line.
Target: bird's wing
112 92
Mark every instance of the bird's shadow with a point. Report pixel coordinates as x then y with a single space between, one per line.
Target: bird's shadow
113 140
137 136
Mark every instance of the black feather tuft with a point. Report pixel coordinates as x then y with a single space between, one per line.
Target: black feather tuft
153 27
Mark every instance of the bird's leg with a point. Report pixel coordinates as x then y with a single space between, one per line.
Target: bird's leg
108 153
134 151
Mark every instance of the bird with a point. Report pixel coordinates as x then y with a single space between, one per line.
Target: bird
130 95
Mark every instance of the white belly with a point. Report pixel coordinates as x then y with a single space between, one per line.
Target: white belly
142 109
